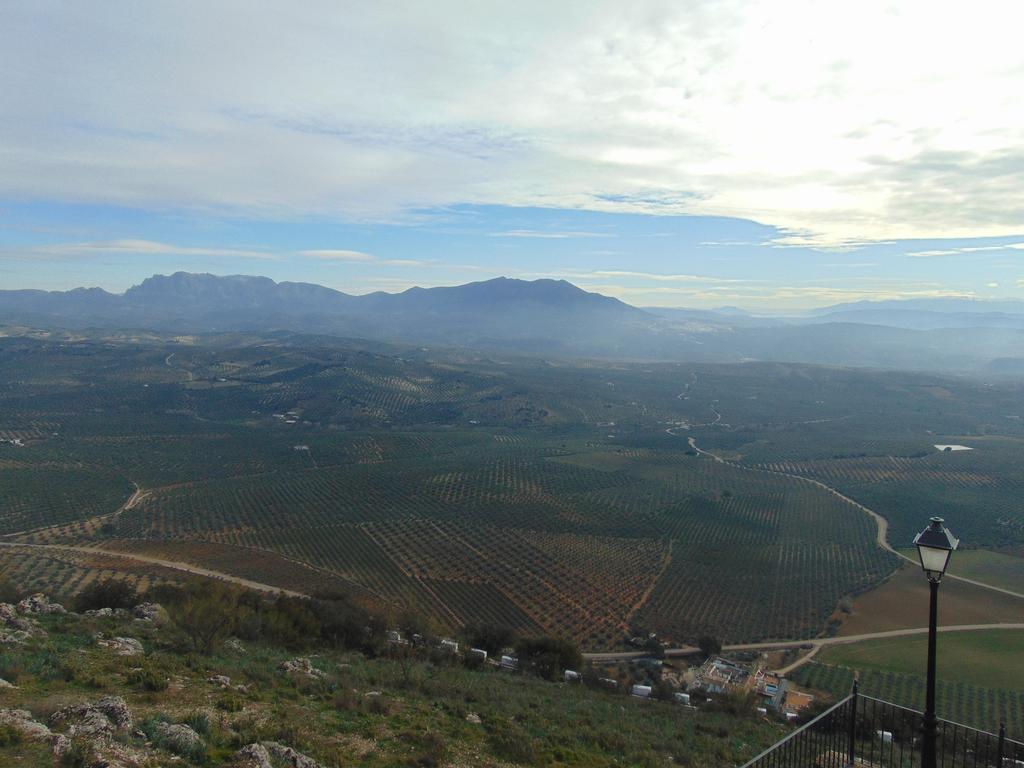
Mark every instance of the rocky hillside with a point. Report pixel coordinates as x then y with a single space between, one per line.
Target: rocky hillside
128 687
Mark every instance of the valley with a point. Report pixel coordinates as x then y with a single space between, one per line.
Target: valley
595 501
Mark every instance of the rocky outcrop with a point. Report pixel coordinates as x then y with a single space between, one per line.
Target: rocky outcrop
289 756
21 721
40 604
253 756
104 613
179 738
301 666
108 716
122 646
149 612
15 628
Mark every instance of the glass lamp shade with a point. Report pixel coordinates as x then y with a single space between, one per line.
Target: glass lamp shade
933 560
935 544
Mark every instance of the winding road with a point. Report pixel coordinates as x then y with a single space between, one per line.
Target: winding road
813 645
882 535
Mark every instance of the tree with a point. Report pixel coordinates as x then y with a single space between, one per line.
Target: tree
107 593
490 638
548 656
9 593
654 647
207 612
709 646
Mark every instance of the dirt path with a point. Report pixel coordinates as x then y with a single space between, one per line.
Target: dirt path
167 362
882 525
171 564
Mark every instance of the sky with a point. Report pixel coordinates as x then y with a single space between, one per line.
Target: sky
766 155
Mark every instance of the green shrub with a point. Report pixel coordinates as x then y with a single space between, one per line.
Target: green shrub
548 656
9 592
78 755
148 679
230 703
376 705
9 736
509 741
107 593
429 749
198 722
345 700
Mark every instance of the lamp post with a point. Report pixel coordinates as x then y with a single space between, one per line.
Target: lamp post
935 545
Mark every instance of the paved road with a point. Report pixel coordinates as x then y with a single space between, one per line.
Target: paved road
815 644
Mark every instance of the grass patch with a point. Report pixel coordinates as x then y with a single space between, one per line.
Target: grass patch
990 659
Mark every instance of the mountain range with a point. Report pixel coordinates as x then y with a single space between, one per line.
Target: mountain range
549 318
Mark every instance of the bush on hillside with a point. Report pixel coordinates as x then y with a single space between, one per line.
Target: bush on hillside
106 593
548 657
492 639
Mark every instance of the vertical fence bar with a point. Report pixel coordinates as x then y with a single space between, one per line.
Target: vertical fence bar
851 746
847 734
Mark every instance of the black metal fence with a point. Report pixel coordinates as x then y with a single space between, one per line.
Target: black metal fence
864 731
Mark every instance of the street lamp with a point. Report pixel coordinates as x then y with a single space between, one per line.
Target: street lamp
935 545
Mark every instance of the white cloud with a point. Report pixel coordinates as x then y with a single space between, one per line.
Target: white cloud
548 234
765 296
966 249
338 255
837 123
130 247
358 257
604 274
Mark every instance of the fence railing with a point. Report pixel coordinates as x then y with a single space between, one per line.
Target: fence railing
864 731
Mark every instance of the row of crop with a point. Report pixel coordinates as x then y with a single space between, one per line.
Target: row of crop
36 496
960 702
64 574
345 550
889 469
553 595
783 590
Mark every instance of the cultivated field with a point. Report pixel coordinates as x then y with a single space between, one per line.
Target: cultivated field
961 702
550 497
991 659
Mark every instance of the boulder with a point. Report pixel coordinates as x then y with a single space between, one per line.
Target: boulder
107 716
235 645
17 637
253 756
21 720
221 681
289 756
179 738
149 612
40 604
5 684
92 723
11 619
300 666
123 646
